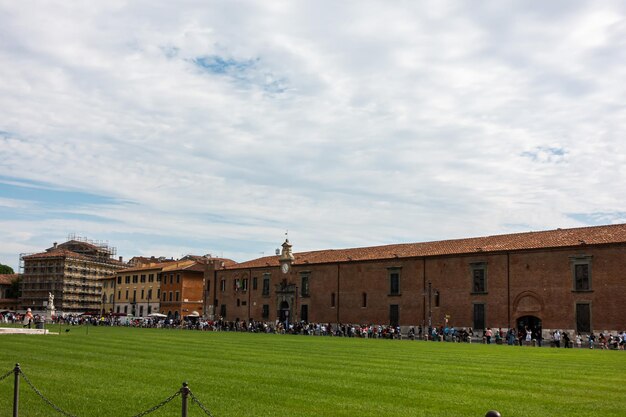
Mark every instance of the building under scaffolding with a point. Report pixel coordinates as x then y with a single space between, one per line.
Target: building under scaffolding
71 271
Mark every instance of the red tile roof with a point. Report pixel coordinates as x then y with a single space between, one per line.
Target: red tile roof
188 264
7 279
559 238
146 267
65 253
56 253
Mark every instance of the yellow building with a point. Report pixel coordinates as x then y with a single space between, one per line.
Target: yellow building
108 295
138 290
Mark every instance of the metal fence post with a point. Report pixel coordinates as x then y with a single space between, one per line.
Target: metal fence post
184 393
16 390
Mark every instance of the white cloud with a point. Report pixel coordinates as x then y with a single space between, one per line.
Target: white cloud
352 124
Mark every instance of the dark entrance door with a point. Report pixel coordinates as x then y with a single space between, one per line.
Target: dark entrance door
532 322
284 312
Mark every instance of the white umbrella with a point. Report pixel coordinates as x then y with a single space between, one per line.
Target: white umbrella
157 315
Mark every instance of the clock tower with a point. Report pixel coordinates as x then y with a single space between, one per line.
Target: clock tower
286 257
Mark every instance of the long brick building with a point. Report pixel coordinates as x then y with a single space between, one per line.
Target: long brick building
572 279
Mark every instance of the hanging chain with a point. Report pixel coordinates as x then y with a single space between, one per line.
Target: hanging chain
161 404
6 375
148 411
202 406
50 403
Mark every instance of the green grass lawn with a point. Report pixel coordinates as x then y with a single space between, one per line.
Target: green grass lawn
120 372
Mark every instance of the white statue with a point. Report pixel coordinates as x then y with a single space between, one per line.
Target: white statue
50 301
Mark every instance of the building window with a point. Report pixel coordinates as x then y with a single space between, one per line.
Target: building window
479 316
266 284
364 300
150 277
583 318
266 311
223 285
134 295
119 296
304 313
394 315
394 281
111 299
125 309
238 302
140 311
158 277
143 278
244 284
177 295
223 310
332 300
127 279
581 270
126 294
118 309
254 283
119 280
158 293
142 294
164 295
150 294
171 295
135 278
479 277
304 284
436 298
178 278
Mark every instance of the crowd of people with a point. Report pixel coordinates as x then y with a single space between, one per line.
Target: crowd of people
512 337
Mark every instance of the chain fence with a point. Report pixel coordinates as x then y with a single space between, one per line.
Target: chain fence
199 404
184 392
159 405
44 398
5 376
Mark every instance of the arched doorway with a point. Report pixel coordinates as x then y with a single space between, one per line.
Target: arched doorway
283 313
532 322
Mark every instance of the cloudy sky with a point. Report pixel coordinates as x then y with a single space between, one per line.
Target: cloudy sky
168 128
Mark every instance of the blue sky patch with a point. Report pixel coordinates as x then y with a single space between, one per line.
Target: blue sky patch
246 73
218 65
599 218
546 154
52 197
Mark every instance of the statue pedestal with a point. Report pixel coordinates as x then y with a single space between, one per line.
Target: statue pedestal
49 314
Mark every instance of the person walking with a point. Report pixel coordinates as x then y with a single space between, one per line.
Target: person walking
28 318
557 338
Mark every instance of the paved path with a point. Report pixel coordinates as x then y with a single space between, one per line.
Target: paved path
19 330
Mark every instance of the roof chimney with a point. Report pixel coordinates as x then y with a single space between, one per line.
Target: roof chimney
54 245
121 259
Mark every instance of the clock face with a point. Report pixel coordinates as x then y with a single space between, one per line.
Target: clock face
284 268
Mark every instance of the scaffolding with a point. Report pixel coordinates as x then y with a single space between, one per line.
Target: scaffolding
102 245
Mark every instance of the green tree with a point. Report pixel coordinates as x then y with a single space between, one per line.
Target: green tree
15 291
6 269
